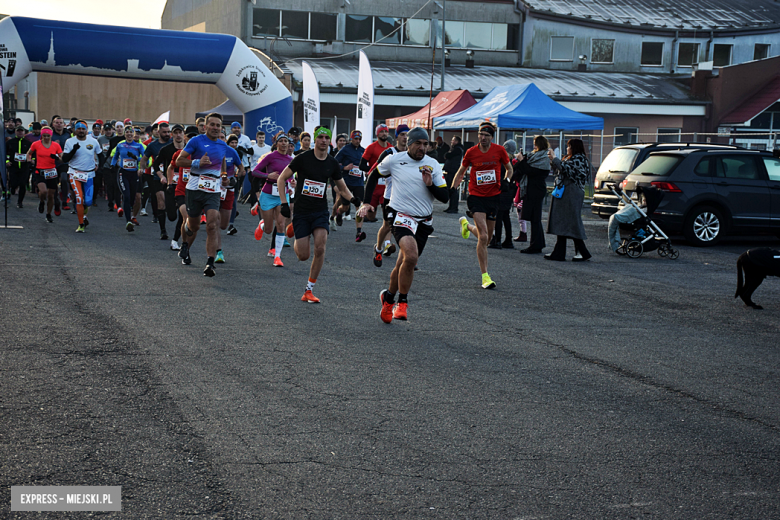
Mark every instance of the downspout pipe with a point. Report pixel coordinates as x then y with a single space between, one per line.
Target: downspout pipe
709 44
521 9
674 46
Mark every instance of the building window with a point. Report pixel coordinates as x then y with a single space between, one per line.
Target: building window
652 54
668 135
688 54
295 24
721 55
384 26
625 135
359 28
761 51
323 26
265 22
477 35
762 121
454 33
417 32
561 48
602 51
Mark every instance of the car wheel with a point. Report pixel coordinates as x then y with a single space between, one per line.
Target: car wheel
705 226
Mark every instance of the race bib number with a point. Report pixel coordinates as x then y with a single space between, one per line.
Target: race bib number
405 221
185 174
275 190
79 176
486 177
105 147
356 172
313 189
129 164
49 174
209 184
20 157
223 194
175 178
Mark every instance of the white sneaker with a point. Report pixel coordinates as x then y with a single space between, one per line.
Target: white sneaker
348 217
332 224
175 246
142 213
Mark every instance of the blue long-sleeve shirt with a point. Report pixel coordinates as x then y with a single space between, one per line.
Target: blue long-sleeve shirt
351 154
121 156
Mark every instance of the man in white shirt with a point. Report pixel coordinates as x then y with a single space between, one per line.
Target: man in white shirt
81 152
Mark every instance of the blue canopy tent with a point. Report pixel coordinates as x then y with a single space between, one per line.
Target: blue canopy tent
517 107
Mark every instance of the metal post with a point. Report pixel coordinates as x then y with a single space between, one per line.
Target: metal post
524 134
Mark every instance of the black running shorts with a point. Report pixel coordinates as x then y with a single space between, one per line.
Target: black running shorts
198 202
304 224
486 205
421 236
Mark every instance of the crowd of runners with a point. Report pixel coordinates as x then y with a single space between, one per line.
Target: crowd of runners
196 176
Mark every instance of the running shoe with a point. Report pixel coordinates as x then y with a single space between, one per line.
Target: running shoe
464 227
49 219
111 208
86 222
184 254
41 205
339 219
143 212
65 207
203 219
57 212
387 308
308 297
135 221
231 230
290 231
120 212
254 209
348 217
360 236
129 226
80 229
389 249
399 311
377 258
271 252
73 211
154 220
175 246
259 231
278 262
220 258
487 282
286 243
163 236
209 270
332 224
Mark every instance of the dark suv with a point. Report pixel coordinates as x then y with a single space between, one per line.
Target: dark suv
709 193
622 160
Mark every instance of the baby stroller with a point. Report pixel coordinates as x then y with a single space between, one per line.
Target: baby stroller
645 234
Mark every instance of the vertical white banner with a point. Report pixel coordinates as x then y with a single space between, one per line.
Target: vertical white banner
311 100
364 121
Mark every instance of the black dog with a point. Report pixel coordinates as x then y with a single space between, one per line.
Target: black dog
757 265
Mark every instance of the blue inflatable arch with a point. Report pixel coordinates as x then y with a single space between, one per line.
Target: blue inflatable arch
30 45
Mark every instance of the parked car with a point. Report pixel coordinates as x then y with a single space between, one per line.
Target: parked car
624 159
709 193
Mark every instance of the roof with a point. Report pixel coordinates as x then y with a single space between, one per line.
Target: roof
519 107
767 96
415 78
444 103
669 14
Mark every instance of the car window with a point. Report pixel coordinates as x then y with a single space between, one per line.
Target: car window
772 168
703 168
618 160
737 167
661 165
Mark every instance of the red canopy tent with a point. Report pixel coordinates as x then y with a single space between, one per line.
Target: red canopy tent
444 103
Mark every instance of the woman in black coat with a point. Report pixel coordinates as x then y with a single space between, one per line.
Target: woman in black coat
536 168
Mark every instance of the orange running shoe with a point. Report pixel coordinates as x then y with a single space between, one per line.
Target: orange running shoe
253 211
203 219
271 253
290 231
308 297
259 231
399 313
278 262
387 308
120 212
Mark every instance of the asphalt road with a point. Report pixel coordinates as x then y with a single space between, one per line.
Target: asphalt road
614 388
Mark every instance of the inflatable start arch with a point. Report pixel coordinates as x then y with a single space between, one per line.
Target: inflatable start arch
32 45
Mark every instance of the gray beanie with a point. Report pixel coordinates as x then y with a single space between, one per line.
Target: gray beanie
510 147
416 134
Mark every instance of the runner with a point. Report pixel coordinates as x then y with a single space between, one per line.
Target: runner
383 246
156 178
305 144
294 134
201 124
162 164
369 161
82 155
16 150
103 176
45 177
125 158
341 141
349 158
205 156
234 170
267 171
314 169
179 177
417 181
485 160
60 136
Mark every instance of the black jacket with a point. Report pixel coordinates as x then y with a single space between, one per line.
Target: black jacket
453 158
13 147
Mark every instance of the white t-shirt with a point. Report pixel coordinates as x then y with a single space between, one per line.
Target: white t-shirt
259 152
246 143
86 157
409 194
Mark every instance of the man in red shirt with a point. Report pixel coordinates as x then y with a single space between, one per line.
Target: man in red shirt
485 161
368 163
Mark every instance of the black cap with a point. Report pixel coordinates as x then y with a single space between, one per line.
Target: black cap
177 126
20 128
191 131
108 126
294 131
36 125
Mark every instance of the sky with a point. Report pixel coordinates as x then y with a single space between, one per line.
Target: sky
130 13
